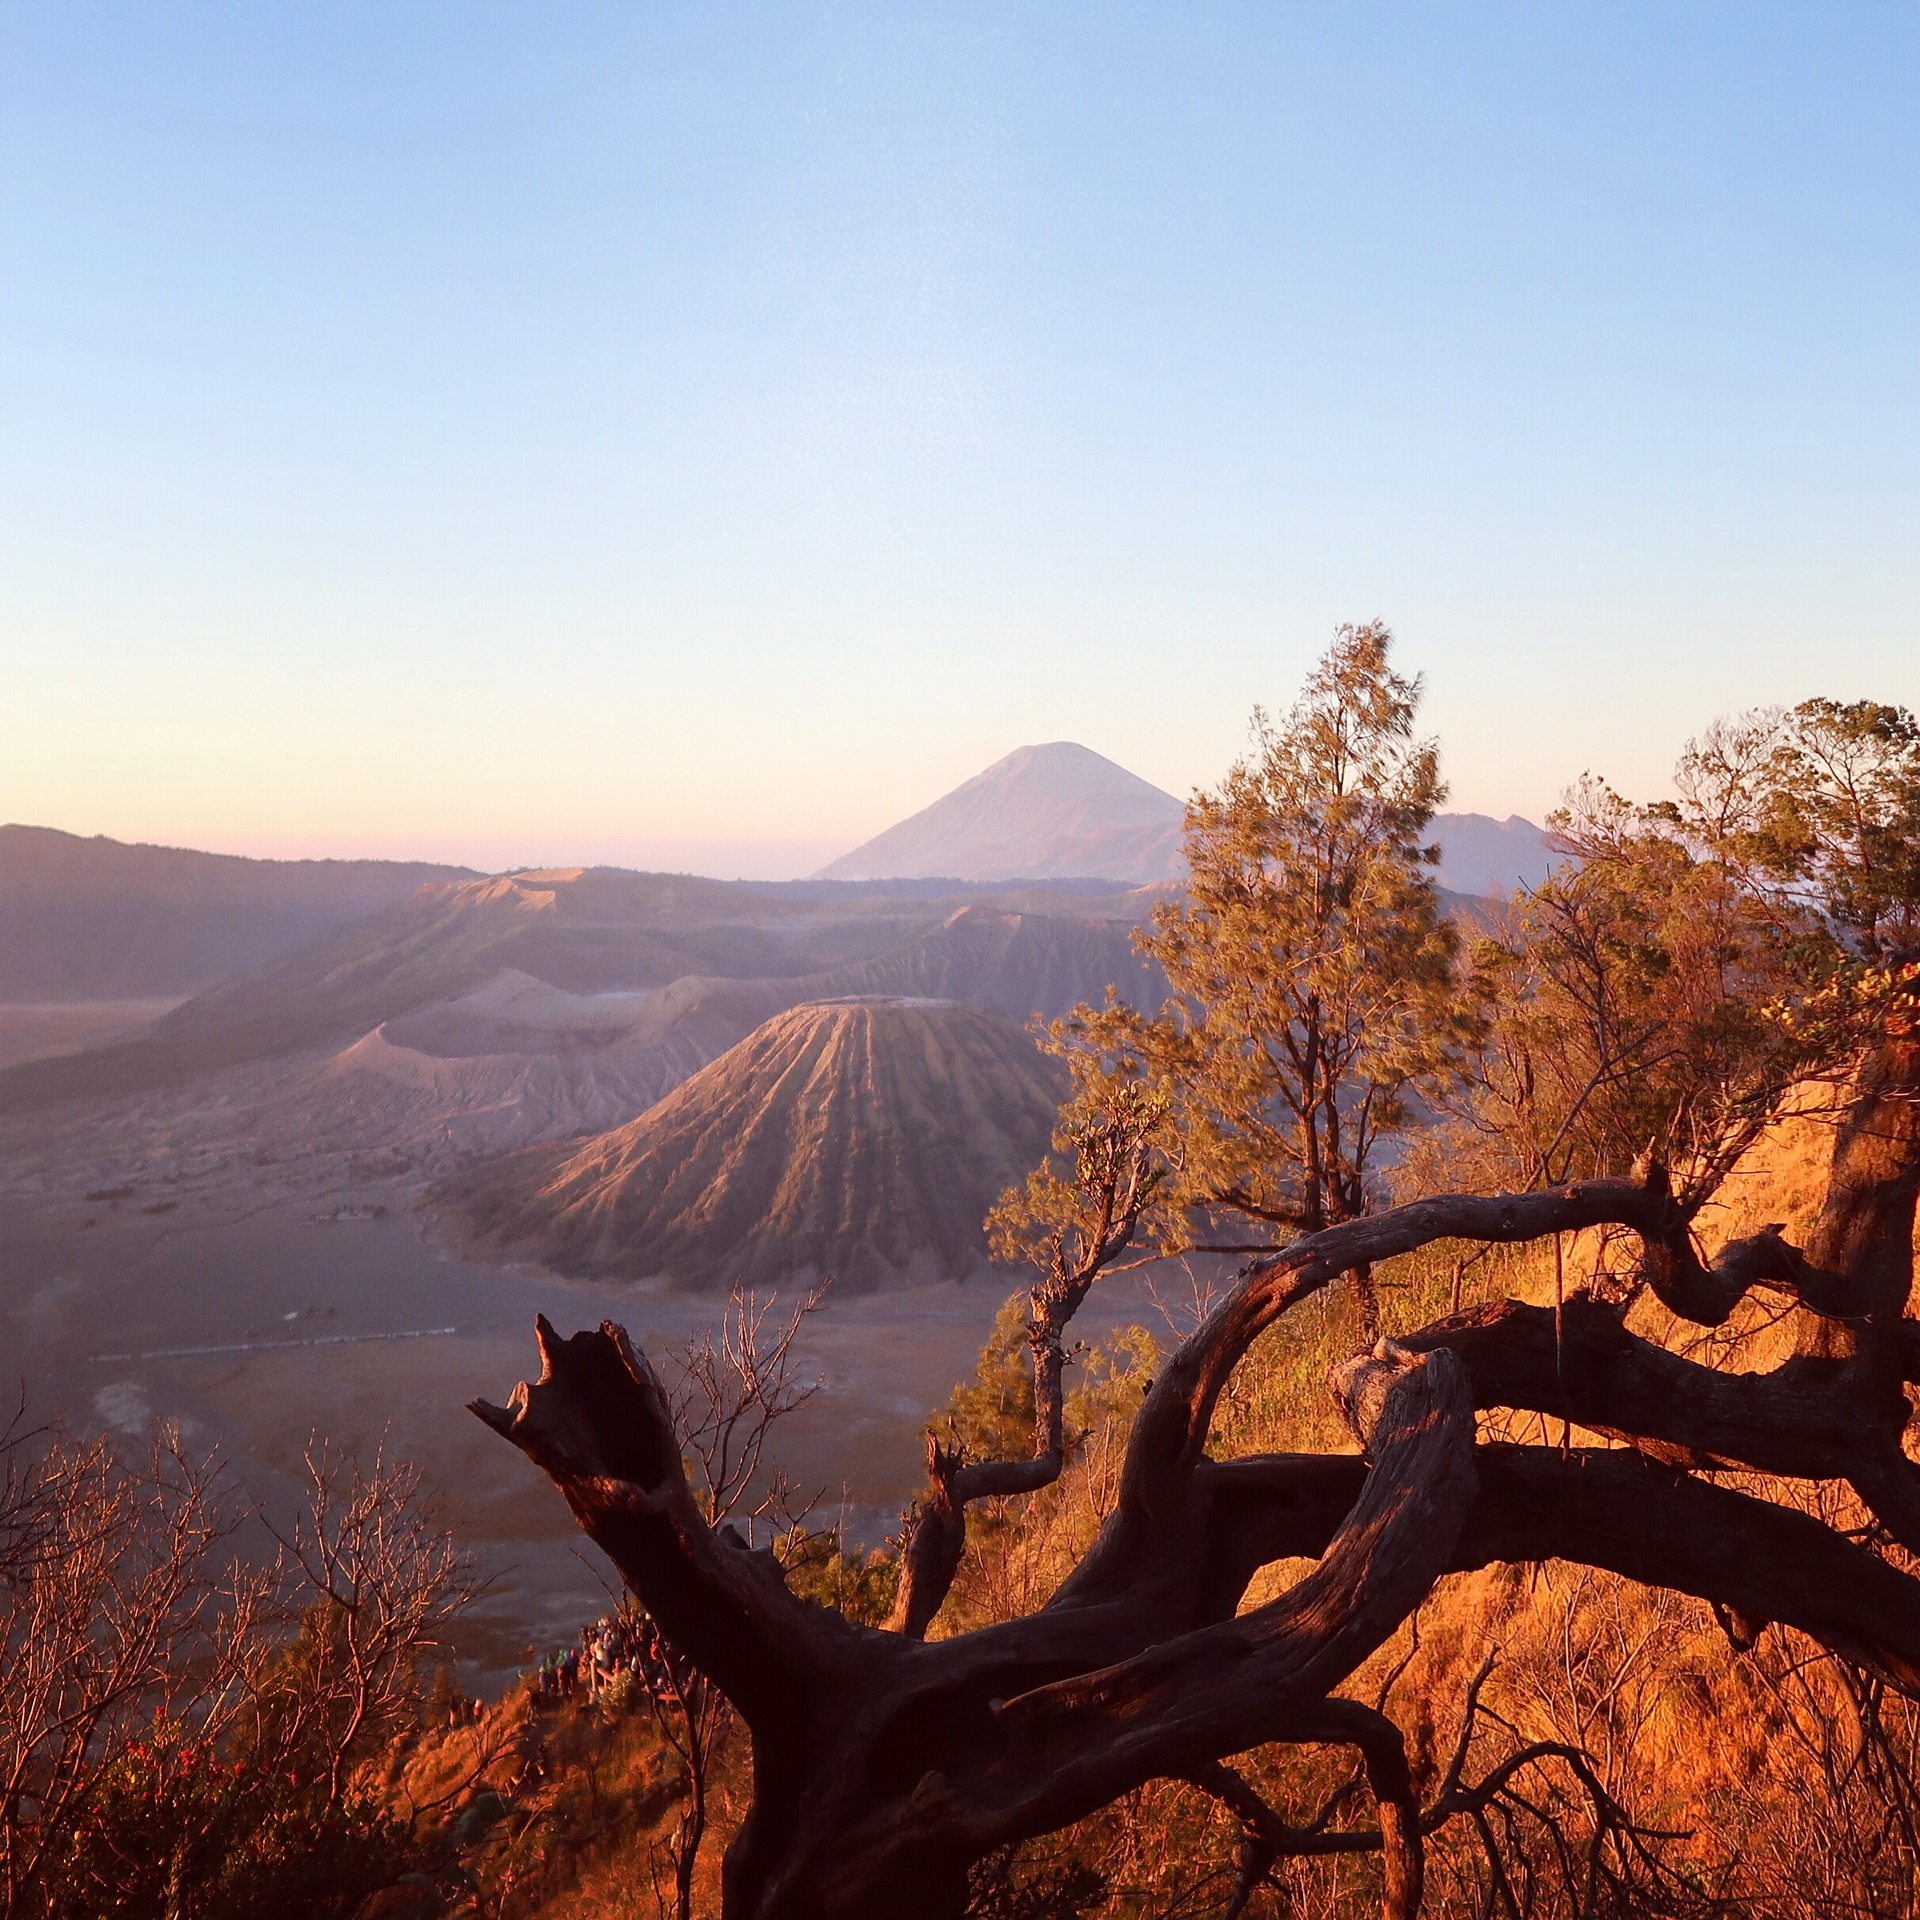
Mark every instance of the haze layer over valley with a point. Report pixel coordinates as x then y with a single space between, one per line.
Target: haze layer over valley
1060 810
228 1086
208 1194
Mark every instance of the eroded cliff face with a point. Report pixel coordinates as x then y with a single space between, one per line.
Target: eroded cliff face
863 1139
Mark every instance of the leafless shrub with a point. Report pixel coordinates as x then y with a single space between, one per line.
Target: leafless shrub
735 1386
376 1583
139 1644
110 1601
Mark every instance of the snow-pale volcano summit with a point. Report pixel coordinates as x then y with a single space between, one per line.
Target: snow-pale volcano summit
1048 812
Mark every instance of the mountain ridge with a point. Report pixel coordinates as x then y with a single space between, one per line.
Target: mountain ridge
732 957
860 1138
1481 855
517 1060
95 918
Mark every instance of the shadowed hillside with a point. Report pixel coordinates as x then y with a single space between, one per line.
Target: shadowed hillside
585 930
633 979
97 919
863 1139
1479 855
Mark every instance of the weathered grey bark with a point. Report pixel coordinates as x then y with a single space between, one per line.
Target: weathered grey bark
885 1765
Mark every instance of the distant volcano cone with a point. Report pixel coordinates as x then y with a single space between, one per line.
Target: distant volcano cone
1053 810
863 1139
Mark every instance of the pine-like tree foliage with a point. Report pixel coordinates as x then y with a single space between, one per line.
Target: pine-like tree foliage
1819 808
1315 987
1692 962
1313 968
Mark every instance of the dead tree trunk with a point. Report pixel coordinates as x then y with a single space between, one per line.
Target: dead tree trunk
937 1528
884 1765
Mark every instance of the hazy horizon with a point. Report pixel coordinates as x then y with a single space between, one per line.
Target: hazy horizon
700 438
766 858
504 461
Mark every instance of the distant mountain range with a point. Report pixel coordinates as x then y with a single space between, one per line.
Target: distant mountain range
858 1139
1479 855
98 919
619 983
689 1077
517 1060
1061 810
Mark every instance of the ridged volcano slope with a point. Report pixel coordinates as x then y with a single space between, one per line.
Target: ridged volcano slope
861 1139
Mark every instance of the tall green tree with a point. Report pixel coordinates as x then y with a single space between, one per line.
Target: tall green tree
1312 966
1697 960
1313 974
1817 809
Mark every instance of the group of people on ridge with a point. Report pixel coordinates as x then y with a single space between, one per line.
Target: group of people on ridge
622 1642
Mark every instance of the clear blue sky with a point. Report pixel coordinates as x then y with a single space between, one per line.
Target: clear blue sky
698 435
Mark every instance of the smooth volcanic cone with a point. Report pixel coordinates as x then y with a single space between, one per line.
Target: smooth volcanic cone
861 1139
1048 811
